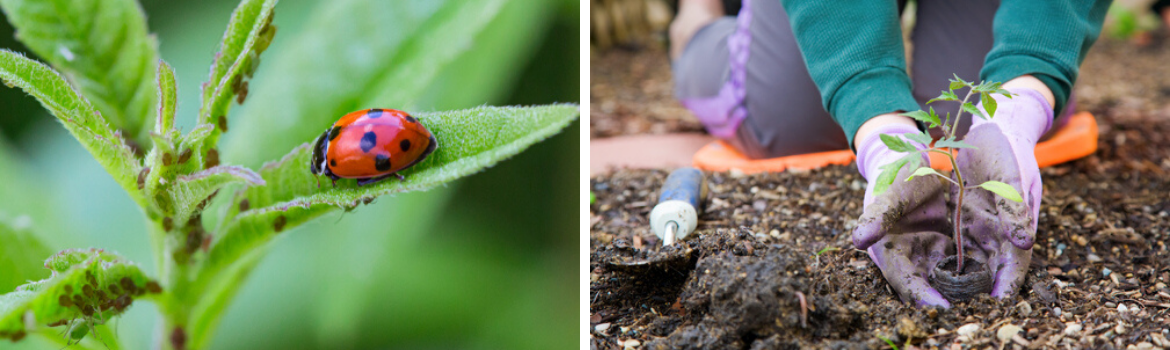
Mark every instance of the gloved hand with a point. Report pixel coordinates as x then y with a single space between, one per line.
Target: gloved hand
905 229
998 231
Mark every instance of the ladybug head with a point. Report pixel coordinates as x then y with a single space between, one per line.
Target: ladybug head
317 165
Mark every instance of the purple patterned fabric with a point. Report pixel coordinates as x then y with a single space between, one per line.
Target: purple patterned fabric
721 114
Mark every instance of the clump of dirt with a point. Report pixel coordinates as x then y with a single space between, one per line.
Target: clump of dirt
1098 279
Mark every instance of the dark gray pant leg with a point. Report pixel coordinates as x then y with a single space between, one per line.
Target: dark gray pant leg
784 113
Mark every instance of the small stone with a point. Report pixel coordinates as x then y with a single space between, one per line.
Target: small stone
1160 285
632 343
1072 328
856 185
1120 328
968 329
602 327
1106 271
735 173
1122 309
1145 346
1024 308
774 233
1081 241
1006 332
1093 258
1110 304
1056 312
1159 340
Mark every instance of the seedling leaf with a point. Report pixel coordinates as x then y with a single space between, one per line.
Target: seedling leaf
189 191
923 171
930 119
104 49
970 108
920 137
945 96
896 144
890 171
77 115
1003 190
97 279
166 99
989 104
953 144
1005 92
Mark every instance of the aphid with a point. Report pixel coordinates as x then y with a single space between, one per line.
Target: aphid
278 225
142 177
371 145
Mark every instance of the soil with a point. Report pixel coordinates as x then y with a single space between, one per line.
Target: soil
771 265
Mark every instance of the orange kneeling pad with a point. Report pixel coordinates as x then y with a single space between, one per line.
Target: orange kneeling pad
1078 138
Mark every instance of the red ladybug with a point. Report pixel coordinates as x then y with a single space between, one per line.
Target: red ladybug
371 145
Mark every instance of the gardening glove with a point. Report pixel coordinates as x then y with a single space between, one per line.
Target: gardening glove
1002 231
903 229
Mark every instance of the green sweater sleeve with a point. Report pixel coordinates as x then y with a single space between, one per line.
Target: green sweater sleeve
853 50
1047 39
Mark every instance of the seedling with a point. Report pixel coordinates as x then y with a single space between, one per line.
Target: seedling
913 157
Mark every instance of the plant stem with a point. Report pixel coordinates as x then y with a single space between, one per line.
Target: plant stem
962 190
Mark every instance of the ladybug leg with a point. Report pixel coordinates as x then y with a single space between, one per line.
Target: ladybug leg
367 181
400 177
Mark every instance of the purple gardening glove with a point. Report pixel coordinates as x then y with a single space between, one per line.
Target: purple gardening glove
905 229
998 231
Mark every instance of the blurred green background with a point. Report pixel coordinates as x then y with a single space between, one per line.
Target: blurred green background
488 262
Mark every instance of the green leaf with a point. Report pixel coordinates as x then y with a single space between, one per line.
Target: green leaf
20 253
399 61
921 137
1003 190
930 119
989 104
958 83
166 99
77 115
945 96
104 49
1005 93
248 34
970 108
469 141
923 171
987 87
890 171
91 281
896 144
953 144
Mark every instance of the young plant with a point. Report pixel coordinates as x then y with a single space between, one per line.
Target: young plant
119 102
948 142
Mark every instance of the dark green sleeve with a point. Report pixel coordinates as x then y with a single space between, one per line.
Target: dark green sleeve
854 53
1047 39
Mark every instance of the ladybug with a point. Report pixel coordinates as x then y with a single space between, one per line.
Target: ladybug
371 145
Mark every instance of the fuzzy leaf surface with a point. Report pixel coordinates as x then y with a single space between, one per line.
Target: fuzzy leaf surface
945 96
99 281
248 34
190 191
930 119
920 137
896 144
77 115
1003 190
890 171
970 108
102 46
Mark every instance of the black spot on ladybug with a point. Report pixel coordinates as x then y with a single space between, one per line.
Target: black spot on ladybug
382 162
369 139
411 119
278 225
405 145
374 113
333 133
333 162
